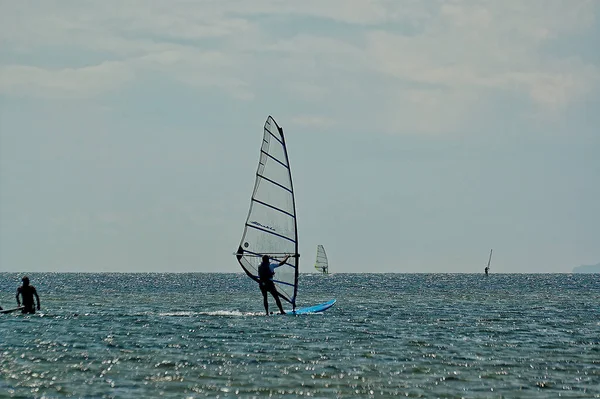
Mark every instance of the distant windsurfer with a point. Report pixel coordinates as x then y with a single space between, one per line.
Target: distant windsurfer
487 268
27 292
266 271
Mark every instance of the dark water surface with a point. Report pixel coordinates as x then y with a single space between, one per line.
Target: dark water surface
204 335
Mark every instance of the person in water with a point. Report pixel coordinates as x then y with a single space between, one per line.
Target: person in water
487 269
27 292
266 271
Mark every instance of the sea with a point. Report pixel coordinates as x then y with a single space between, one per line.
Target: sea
118 335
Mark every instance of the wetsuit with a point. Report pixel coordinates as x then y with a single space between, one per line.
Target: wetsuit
266 271
265 276
27 293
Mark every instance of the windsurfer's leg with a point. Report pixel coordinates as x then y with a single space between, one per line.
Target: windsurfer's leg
265 299
28 309
278 301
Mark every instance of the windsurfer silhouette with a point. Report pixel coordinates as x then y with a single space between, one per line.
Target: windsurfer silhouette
27 292
487 268
266 271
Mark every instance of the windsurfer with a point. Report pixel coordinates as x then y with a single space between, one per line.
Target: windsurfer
487 268
266 271
27 292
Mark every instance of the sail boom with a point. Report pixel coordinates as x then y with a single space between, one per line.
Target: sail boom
248 253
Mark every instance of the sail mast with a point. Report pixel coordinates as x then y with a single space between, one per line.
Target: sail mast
490 259
296 254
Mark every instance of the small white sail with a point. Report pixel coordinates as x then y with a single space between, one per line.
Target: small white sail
321 263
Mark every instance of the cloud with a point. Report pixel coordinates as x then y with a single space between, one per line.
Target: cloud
416 60
436 110
314 121
487 48
194 68
19 80
373 56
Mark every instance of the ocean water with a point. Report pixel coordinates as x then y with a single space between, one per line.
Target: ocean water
205 335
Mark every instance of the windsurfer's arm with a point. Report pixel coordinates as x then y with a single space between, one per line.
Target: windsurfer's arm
273 266
37 298
17 296
283 261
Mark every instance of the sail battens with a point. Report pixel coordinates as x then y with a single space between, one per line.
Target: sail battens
271 226
283 282
273 207
270 232
274 159
275 137
274 182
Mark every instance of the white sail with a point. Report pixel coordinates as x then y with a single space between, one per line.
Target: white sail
270 227
321 263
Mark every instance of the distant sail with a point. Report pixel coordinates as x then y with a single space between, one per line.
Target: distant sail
321 263
270 227
487 268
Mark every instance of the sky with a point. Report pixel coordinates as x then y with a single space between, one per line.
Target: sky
421 134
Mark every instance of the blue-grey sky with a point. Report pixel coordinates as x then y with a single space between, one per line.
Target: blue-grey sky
421 133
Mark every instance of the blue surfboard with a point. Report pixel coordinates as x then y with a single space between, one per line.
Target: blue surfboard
313 309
